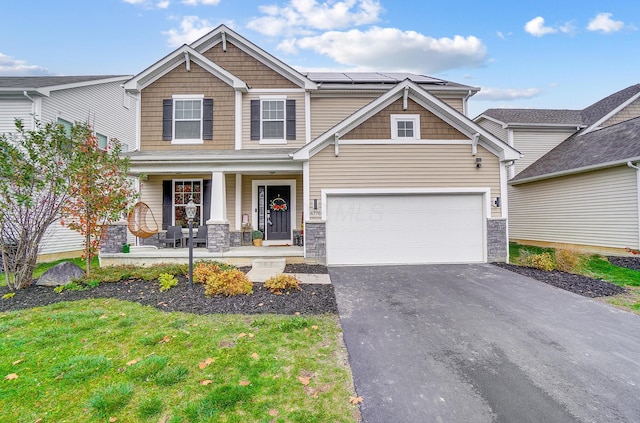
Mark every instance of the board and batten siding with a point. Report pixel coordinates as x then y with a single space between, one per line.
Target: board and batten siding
15 108
255 73
403 166
630 112
180 81
248 143
99 105
598 208
326 112
495 128
535 144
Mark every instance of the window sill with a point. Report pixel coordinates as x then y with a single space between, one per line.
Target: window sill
273 141
187 141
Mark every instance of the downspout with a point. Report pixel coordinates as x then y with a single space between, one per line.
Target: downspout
336 147
474 144
632 166
464 103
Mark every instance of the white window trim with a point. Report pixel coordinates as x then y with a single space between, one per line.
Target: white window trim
182 97
173 197
405 118
282 140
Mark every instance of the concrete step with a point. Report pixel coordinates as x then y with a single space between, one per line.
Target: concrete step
263 269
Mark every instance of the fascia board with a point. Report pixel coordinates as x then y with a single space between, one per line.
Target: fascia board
84 83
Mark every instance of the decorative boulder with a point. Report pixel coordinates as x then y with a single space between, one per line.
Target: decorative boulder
60 274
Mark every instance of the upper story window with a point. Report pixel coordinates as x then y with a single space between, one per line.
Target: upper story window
405 127
273 120
187 119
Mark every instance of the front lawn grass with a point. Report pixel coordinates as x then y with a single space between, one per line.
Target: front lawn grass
95 360
43 267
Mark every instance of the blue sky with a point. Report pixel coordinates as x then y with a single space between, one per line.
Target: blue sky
523 54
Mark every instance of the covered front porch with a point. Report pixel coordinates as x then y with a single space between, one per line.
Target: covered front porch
239 256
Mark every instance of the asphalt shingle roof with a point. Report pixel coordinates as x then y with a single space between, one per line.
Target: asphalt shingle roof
48 81
615 143
601 108
536 116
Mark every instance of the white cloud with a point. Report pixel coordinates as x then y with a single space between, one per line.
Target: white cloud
603 22
301 16
501 94
150 4
204 2
536 27
391 49
191 28
162 4
14 67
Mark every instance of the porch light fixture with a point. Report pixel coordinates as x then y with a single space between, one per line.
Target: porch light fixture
190 210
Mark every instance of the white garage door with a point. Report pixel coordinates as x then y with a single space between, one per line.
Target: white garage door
390 229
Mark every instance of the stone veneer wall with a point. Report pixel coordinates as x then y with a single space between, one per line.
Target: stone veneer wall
235 239
115 235
497 245
315 240
219 240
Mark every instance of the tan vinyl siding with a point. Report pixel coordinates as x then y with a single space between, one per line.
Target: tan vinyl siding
403 166
230 181
379 125
12 109
247 182
179 81
495 128
598 208
535 144
60 239
245 67
629 112
248 143
326 112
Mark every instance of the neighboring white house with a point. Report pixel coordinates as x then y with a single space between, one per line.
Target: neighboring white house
579 180
99 100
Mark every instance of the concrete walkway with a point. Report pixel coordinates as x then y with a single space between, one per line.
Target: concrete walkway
476 343
263 269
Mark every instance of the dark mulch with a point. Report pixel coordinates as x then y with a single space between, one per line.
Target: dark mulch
305 268
578 284
632 263
312 299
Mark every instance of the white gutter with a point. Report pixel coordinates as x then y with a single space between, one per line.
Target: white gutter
632 166
574 171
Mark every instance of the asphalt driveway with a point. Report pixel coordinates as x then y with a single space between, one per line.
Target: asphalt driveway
476 343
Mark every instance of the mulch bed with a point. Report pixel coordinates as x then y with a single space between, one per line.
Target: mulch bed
632 263
312 299
578 284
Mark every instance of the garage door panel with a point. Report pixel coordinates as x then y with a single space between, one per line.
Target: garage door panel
382 229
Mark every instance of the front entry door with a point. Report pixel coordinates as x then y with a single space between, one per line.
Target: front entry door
278 212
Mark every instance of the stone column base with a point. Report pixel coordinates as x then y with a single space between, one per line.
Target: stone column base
497 244
114 236
315 241
218 237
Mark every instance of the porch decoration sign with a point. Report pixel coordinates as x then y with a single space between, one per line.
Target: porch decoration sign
278 204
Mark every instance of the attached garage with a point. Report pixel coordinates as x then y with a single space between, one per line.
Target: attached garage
405 227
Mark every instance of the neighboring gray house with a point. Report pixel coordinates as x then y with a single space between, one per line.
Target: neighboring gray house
98 100
578 182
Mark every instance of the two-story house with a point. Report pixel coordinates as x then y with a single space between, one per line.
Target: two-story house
578 183
374 167
99 100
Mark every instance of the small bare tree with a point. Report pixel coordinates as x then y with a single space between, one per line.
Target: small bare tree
36 168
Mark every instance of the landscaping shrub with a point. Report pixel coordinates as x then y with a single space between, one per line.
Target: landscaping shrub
568 259
204 269
542 261
282 282
229 282
167 281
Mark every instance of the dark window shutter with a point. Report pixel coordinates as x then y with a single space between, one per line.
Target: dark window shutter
206 199
291 119
167 120
167 204
255 119
207 119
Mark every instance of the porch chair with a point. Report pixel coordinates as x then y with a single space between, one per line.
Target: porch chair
174 236
201 236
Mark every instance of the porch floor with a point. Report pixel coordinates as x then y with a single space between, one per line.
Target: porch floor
239 256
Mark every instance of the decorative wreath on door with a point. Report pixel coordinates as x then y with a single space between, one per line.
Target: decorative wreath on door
278 204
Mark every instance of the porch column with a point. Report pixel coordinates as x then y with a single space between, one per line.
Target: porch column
218 227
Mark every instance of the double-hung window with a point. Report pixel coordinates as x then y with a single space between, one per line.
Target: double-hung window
187 118
405 127
273 118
